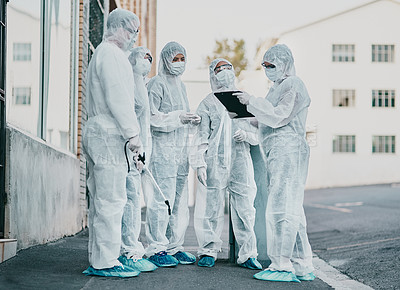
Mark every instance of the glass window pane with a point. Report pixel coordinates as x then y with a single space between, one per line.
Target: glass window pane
58 39
23 63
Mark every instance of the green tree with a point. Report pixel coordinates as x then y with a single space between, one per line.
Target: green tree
232 50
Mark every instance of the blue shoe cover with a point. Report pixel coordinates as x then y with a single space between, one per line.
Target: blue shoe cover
280 276
185 257
252 263
307 277
116 271
206 261
141 265
162 259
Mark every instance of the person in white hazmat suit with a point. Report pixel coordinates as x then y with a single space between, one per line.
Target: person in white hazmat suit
213 147
282 130
132 249
170 120
111 124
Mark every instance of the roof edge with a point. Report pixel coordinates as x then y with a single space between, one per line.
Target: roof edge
334 15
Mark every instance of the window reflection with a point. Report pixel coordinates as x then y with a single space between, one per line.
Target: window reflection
23 63
38 87
59 76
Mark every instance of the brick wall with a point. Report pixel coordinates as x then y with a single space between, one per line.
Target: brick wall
83 65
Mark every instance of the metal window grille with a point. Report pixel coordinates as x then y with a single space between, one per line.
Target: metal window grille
22 96
384 98
343 98
382 53
344 144
343 52
21 51
384 144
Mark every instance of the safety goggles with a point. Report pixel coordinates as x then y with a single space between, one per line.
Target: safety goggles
132 31
148 56
222 67
268 66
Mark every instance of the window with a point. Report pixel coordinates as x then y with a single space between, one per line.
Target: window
48 107
22 96
382 53
22 52
343 98
343 52
383 98
384 144
344 143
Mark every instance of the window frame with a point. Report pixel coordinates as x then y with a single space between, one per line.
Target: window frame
387 146
18 54
28 96
338 144
340 51
379 98
338 95
387 55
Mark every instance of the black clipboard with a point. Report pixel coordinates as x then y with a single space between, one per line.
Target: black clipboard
232 104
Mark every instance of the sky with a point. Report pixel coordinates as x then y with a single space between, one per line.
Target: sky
196 24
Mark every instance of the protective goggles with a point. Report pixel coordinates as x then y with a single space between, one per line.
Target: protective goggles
148 56
268 66
222 67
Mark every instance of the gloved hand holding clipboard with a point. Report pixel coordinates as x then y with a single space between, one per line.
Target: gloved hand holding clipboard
232 104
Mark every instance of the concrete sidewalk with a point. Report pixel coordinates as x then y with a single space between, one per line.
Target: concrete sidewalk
59 265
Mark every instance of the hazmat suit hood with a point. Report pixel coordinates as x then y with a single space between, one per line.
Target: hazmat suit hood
122 28
215 84
280 56
170 50
140 65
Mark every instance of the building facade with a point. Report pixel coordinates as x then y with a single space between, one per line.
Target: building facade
46 49
350 63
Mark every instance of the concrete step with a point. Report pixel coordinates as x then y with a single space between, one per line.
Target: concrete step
8 249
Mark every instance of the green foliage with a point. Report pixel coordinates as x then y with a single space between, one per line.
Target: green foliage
234 51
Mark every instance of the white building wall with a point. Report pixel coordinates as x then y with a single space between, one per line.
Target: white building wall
375 23
42 186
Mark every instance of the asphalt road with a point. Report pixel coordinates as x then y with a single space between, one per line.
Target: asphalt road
357 231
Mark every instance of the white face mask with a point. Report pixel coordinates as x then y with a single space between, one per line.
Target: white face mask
132 42
142 66
177 68
273 73
225 78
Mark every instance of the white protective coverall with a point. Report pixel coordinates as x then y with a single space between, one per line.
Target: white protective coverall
131 221
169 160
111 122
282 130
227 162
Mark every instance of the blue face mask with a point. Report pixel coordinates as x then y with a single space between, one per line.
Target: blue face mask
177 68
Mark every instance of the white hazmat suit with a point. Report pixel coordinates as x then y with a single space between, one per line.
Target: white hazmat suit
282 130
169 108
225 157
131 221
111 122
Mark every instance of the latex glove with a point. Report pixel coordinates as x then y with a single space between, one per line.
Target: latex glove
240 135
243 97
232 115
135 145
195 120
187 117
202 175
254 122
139 166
